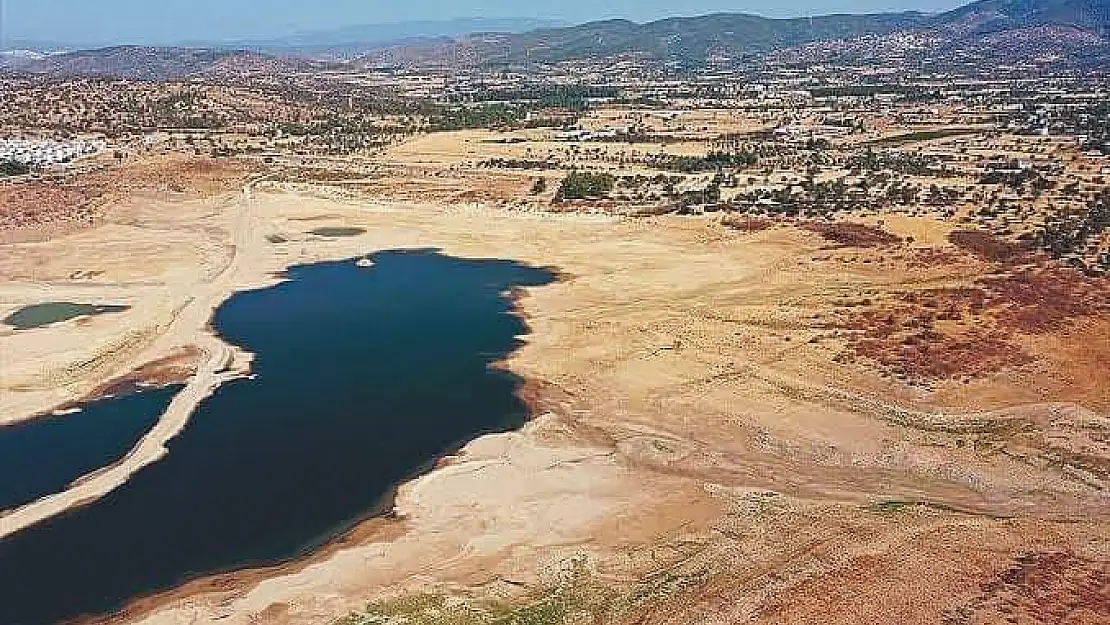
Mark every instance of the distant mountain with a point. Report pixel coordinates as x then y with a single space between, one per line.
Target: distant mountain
295 53
32 45
326 43
20 55
729 35
401 31
698 38
145 63
353 41
988 16
1072 32
1075 31
1012 27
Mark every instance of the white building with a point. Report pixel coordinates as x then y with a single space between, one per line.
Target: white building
41 153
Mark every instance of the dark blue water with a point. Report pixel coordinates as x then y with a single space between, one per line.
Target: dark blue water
44 456
364 377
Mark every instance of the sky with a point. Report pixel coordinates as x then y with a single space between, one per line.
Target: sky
166 22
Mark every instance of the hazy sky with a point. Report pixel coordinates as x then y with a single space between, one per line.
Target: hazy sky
168 21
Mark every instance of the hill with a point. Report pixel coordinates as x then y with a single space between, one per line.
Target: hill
698 38
731 35
1010 27
1077 31
1073 33
148 63
402 31
353 41
987 16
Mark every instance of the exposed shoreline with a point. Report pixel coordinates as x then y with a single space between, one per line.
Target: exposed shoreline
220 367
701 400
223 363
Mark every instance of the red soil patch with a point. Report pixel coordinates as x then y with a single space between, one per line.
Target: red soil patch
33 204
1042 301
989 247
176 368
928 354
1034 301
846 234
1042 588
969 331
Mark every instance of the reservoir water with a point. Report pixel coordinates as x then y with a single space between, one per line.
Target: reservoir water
44 456
364 376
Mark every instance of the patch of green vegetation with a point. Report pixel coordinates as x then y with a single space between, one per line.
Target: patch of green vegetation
891 506
663 585
567 97
582 185
895 506
433 609
714 161
13 168
923 135
910 92
580 598
1073 231
338 232
478 116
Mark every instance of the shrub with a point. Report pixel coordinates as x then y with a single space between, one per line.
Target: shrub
13 168
581 185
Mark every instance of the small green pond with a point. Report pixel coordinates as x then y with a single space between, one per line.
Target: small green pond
40 315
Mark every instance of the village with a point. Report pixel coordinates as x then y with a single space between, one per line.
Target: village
42 153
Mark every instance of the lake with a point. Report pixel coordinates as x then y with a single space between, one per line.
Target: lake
364 377
44 456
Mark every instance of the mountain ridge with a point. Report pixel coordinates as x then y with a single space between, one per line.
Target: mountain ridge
1008 27
995 15
740 35
355 35
157 63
